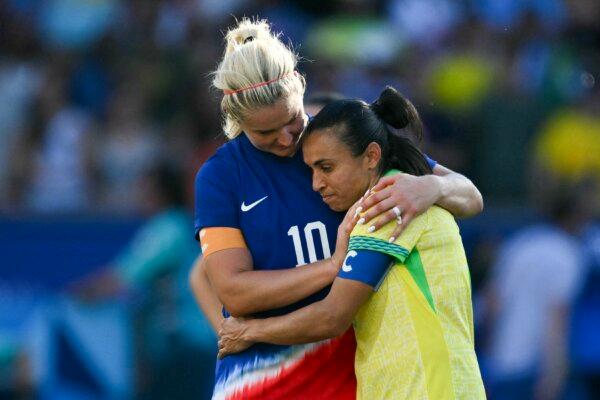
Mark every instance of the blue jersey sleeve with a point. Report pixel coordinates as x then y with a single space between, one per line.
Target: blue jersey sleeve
432 163
216 203
366 266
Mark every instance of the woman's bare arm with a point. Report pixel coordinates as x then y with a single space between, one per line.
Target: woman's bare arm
284 289
324 319
244 290
205 295
413 195
457 193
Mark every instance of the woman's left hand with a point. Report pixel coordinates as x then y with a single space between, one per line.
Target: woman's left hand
412 195
343 236
231 336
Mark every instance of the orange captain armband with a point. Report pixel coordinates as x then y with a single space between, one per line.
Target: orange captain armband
220 238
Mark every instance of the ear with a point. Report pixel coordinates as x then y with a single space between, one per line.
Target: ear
372 155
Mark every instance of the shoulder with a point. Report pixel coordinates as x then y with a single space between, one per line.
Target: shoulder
440 218
217 182
221 166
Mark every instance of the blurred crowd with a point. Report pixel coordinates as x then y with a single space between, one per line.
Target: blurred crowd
97 96
96 92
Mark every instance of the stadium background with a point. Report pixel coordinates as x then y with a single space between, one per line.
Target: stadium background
98 96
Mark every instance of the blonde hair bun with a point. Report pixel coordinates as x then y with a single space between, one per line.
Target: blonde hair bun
246 31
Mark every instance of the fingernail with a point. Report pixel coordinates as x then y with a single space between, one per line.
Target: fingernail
358 210
371 229
367 192
361 221
361 199
392 239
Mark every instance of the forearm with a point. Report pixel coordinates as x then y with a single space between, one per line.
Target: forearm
458 195
252 291
205 295
306 325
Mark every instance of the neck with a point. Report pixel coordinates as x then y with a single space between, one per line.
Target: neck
373 180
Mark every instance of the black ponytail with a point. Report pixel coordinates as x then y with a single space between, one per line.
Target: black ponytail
398 111
404 133
392 121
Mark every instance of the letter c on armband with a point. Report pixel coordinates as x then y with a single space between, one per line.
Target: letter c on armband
345 266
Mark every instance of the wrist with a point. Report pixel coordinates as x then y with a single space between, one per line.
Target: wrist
439 186
252 332
335 263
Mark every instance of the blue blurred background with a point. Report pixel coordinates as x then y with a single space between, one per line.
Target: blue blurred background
106 114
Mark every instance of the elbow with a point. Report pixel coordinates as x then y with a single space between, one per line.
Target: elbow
334 324
477 203
234 303
472 205
235 310
227 296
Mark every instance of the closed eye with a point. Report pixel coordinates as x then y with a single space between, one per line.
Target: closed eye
291 121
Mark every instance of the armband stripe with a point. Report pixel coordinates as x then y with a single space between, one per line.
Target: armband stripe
370 243
221 238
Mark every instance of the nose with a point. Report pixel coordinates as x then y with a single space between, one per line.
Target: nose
317 182
285 138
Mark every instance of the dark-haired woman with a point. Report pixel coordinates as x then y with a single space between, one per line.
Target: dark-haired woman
409 298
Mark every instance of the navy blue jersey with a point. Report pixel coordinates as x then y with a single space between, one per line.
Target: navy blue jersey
270 199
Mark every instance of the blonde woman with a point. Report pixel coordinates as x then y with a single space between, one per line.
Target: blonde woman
257 218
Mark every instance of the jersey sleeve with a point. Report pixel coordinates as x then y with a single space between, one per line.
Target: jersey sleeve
361 239
366 266
216 203
432 163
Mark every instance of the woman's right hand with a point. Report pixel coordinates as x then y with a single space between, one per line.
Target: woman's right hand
343 236
231 336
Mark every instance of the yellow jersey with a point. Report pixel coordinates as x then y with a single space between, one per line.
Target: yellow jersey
415 332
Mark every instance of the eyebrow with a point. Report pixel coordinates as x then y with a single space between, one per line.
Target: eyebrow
321 161
264 132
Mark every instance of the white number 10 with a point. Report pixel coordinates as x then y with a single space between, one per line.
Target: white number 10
294 232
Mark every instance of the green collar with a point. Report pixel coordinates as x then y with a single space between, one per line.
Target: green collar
392 172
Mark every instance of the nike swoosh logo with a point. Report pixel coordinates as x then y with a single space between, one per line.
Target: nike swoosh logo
251 206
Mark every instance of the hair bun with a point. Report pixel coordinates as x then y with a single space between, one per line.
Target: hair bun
247 31
393 108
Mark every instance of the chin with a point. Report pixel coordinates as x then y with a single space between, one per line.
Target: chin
338 207
286 152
